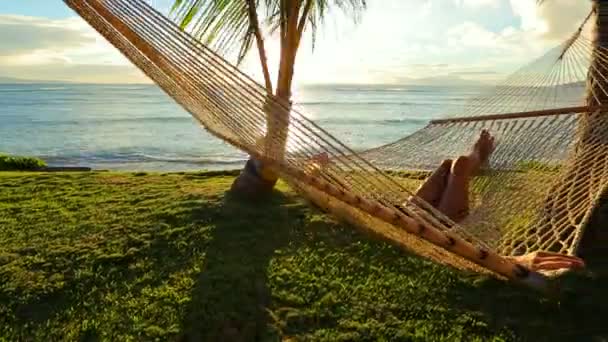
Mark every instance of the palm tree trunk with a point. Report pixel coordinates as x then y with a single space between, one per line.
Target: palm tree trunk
278 121
593 128
592 124
257 179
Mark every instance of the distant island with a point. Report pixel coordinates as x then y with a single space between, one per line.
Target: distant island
12 80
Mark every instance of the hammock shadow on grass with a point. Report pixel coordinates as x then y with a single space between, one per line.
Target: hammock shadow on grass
231 300
576 312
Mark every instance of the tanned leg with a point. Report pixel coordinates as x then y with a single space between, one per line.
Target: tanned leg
455 204
433 187
455 200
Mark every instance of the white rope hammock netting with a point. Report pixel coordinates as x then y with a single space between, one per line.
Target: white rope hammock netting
538 191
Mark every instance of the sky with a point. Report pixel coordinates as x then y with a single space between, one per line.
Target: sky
395 41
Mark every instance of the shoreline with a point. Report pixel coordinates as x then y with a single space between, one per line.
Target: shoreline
25 163
66 169
81 169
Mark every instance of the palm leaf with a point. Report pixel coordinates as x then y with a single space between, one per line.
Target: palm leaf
222 24
225 24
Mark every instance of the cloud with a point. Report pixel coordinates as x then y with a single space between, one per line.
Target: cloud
474 73
455 71
554 20
471 34
433 66
538 28
61 49
395 39
399 40
23 34
477 4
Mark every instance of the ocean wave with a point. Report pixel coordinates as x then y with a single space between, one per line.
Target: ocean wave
197 161
51 88
17 90
111 120
11 90
381 89
125 88
364 103
140 158
31 89
138 87
189 119
343 121
81 89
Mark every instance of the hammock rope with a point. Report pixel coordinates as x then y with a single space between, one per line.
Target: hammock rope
536 116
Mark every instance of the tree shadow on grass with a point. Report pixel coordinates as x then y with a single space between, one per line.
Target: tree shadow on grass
229 297
231 293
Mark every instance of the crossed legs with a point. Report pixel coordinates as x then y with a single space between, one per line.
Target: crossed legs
447 189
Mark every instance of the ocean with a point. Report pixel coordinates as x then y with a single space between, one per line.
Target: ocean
138 127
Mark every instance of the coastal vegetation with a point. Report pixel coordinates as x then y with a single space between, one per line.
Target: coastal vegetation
172 256
19 163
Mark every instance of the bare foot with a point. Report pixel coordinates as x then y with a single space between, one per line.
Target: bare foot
482 149
433 187
547 261
322 158
317 163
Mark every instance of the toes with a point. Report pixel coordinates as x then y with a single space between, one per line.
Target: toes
485 133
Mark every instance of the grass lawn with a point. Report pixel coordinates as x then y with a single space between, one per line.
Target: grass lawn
120 256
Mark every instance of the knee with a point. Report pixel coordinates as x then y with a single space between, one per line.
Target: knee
461 166
446 163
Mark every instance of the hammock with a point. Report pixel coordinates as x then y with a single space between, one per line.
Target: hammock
541 185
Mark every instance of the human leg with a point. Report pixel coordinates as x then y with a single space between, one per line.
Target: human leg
433 187
455 199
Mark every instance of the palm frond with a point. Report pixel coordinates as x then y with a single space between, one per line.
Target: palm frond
222 24
312 13
225 24
321 9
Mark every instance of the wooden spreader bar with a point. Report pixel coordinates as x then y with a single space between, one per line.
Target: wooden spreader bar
519 115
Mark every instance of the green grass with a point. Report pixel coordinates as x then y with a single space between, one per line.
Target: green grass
17 163
117 256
